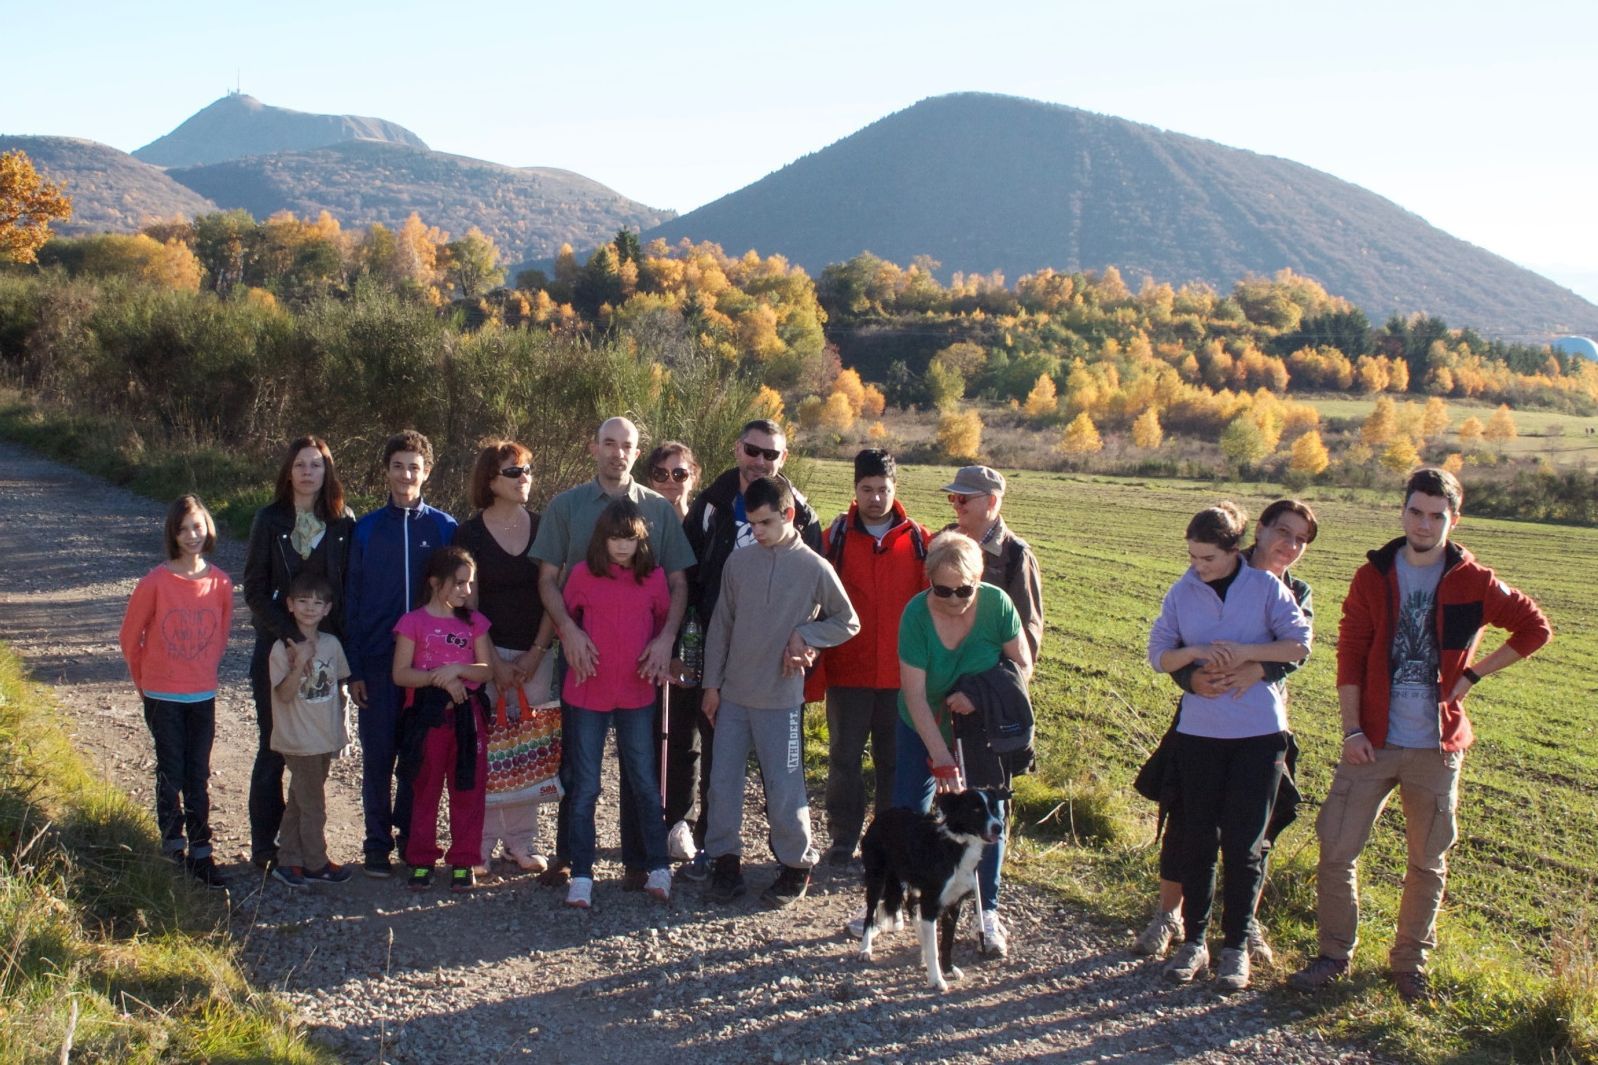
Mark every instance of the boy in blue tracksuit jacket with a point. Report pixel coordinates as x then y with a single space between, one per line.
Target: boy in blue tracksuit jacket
387 552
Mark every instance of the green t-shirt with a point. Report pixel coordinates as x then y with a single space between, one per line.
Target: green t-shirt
997 624
568 522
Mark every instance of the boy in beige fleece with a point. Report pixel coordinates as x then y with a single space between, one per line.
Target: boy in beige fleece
780 603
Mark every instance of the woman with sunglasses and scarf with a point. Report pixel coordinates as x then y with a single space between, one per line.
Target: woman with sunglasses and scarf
958 626
498 536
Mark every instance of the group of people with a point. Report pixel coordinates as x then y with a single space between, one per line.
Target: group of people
697 622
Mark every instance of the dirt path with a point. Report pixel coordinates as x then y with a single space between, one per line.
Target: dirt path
508 973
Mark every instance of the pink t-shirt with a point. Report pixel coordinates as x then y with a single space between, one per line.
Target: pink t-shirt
440 641
621 616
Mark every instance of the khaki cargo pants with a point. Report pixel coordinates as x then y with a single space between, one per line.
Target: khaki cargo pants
1428 786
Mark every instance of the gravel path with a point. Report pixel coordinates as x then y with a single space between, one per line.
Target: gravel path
508 973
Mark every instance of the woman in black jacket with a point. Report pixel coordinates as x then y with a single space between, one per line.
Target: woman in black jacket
306 527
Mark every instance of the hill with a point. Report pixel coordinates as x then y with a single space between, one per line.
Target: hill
238 125
528 211
110 190
983 183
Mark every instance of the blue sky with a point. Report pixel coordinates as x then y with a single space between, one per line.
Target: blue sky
1476 116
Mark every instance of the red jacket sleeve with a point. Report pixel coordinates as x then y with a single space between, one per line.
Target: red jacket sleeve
1513 610
1357 629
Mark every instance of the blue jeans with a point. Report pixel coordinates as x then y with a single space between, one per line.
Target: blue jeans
386 802
635 744
183 733
913 789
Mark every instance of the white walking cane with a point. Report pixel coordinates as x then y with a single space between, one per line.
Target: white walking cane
665 736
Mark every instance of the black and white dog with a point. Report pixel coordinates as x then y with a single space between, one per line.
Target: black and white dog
930 861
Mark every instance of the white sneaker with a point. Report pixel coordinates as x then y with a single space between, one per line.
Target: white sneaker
680 842
1191 960
1232 973
1163 929
581 892
995 940
857 924
1259 949
658 884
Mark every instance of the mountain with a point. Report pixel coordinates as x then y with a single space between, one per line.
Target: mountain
983 183
528 211
238 125
110 190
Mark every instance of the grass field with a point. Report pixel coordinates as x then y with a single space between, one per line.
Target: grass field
1563 438
1520 891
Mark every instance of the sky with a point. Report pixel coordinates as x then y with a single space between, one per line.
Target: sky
1478 117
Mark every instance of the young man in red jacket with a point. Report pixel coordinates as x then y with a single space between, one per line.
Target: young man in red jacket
1411 625
880 556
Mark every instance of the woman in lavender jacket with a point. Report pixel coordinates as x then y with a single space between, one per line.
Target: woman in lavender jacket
1229 749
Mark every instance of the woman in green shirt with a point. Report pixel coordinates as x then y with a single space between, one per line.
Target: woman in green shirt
958 626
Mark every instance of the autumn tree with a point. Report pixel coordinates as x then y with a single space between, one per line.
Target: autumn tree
1382 422
944 384
1146 430
837 413
1308 455
1043 400
1242 442
1081 437
1501 427
960 436
1400 455
471 265
1470 433
1435 419
28 204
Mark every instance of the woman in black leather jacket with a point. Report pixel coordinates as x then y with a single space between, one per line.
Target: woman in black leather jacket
306 527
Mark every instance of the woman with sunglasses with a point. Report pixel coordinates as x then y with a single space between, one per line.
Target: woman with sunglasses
498 537
958 626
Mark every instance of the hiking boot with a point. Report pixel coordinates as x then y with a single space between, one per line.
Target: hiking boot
633 879
580 892
205 871
1259 950
461 878
1413 988
697 869
1164 928
421 878
727 878
680 842
1232 973
332 873
1318 974
789 887
658 884
1190 962
290 875
377 866
994 939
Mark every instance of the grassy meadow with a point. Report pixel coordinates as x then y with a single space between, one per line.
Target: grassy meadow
1520 891
1559 436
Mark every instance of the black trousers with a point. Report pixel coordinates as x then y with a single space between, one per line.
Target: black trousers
266 776
1228 788
183 733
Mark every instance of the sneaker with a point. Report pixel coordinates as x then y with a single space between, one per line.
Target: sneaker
658 884
680 842
1413 988
634 879
1190 962
1259 949
994 941
292 875
421 878
377 866
580 893
856 925
697 869
789 887
1164 928
332 873
264 862
205 871
1232 972
530 863
461 879
727 879
1318 974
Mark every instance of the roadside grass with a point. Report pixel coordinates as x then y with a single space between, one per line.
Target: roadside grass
105 954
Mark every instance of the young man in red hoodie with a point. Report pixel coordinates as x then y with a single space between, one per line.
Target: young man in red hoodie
1411 625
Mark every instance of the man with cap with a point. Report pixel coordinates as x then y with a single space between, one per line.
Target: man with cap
880 555
977 494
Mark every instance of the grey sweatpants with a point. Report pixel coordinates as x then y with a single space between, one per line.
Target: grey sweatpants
778 742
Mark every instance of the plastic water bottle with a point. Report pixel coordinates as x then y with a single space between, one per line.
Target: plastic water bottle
691 646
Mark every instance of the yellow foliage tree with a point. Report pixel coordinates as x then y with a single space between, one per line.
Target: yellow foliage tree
1382 423
848 384
877 433
28 204
873 402
1146 430
810 411
1454 463
768 404
1435 421
1309 455
1501 426
1043 400
1470 433
1400 455
838 413
960 435
1081 437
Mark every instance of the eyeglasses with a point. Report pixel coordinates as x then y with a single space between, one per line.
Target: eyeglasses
943 591
660 475
769 454
513 472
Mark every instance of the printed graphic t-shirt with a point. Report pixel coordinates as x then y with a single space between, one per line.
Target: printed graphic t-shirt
313 721
440 641
1412 715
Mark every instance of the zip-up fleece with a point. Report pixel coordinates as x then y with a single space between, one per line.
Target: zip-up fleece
1469 596
879 577
766 594
387 553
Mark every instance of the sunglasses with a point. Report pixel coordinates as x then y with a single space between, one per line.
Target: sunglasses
660 475
943 591
959 499
513 472
769 454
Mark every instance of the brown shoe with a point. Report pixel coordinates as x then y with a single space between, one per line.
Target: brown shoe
556 876
634 879
1413 988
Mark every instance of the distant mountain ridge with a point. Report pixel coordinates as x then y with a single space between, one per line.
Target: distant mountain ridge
111 191
982 183
238 125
